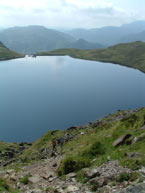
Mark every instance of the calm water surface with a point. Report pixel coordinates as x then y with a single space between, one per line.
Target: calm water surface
38 94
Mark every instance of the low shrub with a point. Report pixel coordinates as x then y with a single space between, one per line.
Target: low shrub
96 149
133 164
130 121
24 180
71 164
123 177
3 185
94 188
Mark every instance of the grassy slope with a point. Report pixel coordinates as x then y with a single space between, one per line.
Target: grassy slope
82 149
6 54
130 54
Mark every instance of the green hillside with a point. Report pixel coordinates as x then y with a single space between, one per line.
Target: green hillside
129 54
6 54
103 132
116 142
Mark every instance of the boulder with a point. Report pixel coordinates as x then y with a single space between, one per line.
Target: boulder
100 182
142 171
48 175
121 140
72 128
34 179
91 173
138 138
71 175
133 155
134 189
72 188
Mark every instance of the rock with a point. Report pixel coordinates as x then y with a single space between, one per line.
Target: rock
9 154
91 173
142 128
138 138
34 179
10 171
142 171
121 140
134 189
71 175
100 182
47 176
51 179
72 128
34 191
13 178
133 154
53 132
72 188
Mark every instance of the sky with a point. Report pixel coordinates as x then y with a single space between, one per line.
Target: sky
70 13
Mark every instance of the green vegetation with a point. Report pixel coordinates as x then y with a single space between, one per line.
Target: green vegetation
129 54
95 146
24 180
123 177
90 146
71 164
6 54
4 185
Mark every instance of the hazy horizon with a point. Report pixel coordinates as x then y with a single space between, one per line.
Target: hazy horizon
68 14
69 28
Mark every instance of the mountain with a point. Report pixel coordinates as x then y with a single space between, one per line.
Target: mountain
134 37
6 54
108 35
84 45
128 54
33 39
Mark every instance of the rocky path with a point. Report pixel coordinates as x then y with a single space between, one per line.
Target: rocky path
42 178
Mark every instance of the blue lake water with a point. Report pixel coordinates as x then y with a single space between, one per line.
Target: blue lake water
43 93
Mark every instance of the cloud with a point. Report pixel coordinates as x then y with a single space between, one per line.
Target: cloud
63 13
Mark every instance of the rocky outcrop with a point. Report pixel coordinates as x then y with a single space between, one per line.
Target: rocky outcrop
121 140
140 188
11 154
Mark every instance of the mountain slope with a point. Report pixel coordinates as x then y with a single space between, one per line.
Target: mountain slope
5 53
129 54
34 39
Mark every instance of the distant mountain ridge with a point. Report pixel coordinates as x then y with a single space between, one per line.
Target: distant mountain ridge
85 45
134 37
33 39
109 35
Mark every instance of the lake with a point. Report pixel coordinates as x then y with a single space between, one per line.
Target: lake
43 93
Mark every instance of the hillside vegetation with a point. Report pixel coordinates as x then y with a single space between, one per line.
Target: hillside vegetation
6 54
128 54
95 140
109 152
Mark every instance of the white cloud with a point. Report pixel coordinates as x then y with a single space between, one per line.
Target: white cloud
63 13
